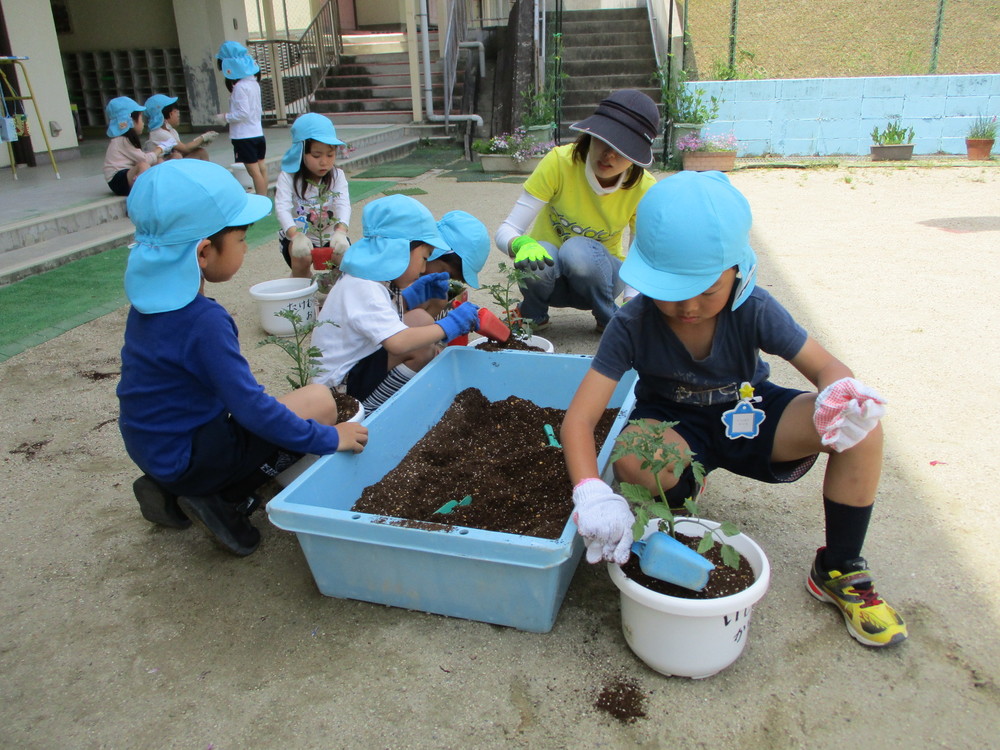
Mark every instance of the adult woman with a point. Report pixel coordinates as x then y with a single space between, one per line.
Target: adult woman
580 198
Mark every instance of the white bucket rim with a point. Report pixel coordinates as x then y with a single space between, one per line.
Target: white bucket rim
295 287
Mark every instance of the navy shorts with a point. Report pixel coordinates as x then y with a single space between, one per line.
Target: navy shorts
367 374
226 456
250 150
119 183
705 433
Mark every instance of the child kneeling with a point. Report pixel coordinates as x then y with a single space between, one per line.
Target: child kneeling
694 336
193 417
381 335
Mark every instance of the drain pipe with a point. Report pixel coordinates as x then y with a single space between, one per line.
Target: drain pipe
425 49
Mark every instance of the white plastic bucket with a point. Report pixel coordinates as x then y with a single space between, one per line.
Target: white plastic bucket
284 294
239 171
296 470
542 343
691 637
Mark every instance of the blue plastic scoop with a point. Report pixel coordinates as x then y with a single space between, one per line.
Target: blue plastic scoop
661 556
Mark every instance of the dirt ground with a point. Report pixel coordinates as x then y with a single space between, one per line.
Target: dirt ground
119 634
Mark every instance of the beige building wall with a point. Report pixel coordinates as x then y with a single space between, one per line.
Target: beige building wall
32 34
117 24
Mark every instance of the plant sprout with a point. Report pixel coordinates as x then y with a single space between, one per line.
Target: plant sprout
656 454
503 295
305 358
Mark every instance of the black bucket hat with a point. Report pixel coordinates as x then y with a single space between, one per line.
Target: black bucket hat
628 121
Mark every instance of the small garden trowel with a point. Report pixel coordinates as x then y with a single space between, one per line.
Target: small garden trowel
491 326
661 556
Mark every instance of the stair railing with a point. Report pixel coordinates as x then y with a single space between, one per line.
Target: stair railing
297 68
457 28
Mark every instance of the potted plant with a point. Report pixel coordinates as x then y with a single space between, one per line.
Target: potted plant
685 108
701 154
503 295
674 634
539 118
980 139
511 152
895 143
322 223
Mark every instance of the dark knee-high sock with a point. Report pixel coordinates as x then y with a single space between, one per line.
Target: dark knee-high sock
846 528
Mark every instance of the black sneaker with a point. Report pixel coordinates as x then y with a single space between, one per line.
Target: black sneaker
224 521
157 504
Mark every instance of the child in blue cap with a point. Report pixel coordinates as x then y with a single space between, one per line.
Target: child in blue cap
162 118
694 335
192 415
470 243
311 198
382 336
124 159
242 76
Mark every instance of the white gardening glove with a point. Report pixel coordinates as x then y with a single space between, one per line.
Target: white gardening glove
220 118
168 145
300 246
339 242
846 411
604 520
208 136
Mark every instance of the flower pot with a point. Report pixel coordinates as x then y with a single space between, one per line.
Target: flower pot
502 578
690 637
542 343
678 131
898 152
504 163
978 149
321 256
284 294
704 161
540 133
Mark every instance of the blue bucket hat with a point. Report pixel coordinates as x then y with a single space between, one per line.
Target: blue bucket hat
311 125
174 206
119 112
469 239
689 228
390 223
237 62
154 109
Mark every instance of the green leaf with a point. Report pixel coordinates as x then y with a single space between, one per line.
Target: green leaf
662 511
705 544
636 494
729 529
730 556
638 529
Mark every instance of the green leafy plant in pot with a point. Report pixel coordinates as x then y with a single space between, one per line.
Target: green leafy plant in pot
686 108
980 138
894 143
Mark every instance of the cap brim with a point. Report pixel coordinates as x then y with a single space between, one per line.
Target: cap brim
662 285
630 145
256 208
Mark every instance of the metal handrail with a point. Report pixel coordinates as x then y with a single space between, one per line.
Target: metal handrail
297 68
457 26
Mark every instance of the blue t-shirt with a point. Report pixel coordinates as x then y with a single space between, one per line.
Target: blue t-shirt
180 370
638 337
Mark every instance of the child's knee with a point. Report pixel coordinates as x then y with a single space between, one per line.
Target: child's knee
417 317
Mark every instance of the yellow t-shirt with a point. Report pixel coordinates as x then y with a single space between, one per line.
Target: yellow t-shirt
574 209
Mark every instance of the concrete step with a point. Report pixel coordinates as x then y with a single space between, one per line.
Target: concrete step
52 253
347 93
51 226
608 54
612 24
582 88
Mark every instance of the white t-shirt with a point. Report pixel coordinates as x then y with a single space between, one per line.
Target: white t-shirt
164 134
245 110
365 316
288 206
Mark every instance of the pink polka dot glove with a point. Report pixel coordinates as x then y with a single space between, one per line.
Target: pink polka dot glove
846 411
604 520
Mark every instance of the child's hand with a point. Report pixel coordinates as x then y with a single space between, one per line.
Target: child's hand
529 254
430 286
353 436
846 411
300 246
604 520
208 137
459 321
220 118
339 242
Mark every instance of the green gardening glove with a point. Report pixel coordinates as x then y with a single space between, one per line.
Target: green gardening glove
528 254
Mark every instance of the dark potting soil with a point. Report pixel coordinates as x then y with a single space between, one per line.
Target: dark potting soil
497 453
347 406
511 344
622 698
722 581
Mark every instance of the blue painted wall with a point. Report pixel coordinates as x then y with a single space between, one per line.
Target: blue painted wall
829 116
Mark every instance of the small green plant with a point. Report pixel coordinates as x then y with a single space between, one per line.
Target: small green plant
984 128
318 218
744 68
541 109
682 103
503 295
305 358
656 454
893 135
517 145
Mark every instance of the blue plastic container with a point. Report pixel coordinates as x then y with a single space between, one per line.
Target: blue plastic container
505 579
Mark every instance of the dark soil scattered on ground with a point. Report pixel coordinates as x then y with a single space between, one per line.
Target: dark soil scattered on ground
511 344
723 581
622 698
498 454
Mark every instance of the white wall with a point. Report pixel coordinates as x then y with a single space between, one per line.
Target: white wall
33 34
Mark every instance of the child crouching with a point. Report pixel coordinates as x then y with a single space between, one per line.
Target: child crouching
192 415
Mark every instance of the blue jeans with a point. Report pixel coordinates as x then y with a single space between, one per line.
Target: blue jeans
584 277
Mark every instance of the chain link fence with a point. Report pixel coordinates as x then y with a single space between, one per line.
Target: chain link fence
747 39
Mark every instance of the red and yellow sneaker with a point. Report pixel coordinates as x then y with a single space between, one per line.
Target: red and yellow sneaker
869 619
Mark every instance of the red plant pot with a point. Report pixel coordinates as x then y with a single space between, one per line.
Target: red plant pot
321 256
